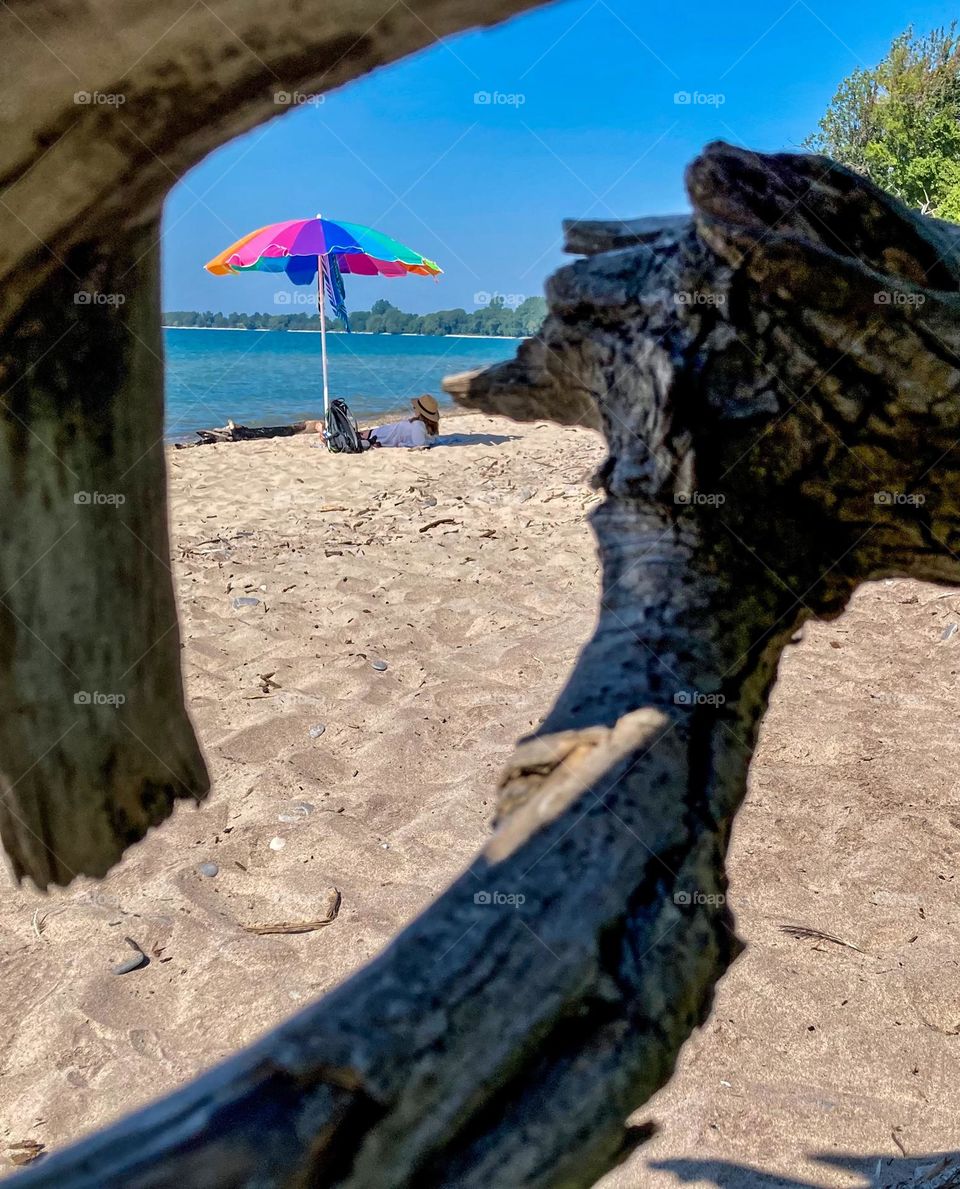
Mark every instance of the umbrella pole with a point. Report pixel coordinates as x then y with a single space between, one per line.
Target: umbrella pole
322 265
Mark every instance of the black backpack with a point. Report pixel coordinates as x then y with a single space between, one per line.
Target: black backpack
343 437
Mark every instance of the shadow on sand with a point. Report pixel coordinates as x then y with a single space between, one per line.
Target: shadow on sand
474 439
932 1170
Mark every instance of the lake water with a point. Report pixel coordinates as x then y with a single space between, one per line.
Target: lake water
256 377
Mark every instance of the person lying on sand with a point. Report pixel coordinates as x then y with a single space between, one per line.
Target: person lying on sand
419 430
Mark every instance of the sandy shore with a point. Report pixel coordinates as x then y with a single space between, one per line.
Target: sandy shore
470 572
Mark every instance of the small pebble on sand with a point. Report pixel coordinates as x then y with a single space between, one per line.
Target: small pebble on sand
317 731
208 869
277 843
380 666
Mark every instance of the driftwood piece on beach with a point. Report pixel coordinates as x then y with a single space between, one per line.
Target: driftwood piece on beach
777 380
243 433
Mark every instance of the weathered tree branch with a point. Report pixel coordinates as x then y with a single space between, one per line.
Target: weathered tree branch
777 381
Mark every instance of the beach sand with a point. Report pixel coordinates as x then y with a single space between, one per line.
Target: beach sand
471 572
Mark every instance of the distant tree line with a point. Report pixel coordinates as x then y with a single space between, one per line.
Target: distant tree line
384 318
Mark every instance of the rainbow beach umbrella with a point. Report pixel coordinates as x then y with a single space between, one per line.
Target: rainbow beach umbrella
322 250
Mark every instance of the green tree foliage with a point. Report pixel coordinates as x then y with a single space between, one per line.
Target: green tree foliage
384 318
899 123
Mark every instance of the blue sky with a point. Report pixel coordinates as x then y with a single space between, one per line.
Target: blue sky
582 122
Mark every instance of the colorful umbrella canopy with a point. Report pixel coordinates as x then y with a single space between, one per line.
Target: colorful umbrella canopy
311 249
295 246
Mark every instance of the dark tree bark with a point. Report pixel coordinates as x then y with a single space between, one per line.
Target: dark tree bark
95 745
776 378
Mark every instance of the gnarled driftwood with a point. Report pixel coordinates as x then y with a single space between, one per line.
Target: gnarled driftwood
777 381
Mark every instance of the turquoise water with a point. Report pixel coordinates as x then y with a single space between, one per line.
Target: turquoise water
267 377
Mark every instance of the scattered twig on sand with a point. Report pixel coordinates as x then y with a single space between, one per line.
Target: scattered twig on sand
333 909
954 1031
433 523
220 544
287 927
805 933
24 1151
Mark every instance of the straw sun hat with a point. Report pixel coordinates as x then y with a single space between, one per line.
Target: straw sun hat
426 406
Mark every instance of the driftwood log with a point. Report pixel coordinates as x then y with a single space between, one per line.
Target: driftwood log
242 433
776 377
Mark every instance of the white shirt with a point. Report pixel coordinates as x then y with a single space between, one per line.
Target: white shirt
411 432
